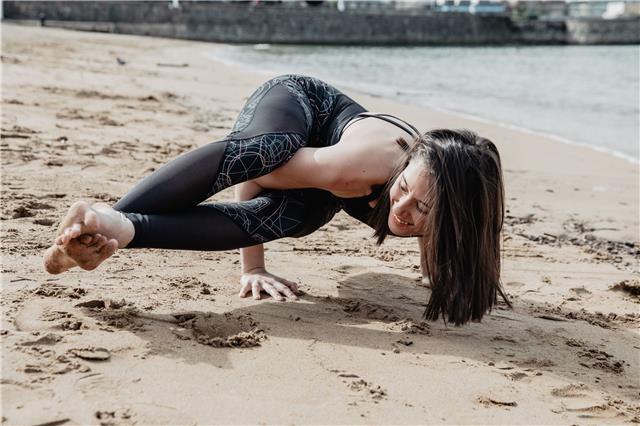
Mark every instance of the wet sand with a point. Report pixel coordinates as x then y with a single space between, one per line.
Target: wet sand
160 337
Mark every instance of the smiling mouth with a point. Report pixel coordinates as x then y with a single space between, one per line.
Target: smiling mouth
400 221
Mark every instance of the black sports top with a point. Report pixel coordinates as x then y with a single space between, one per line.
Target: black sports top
377 189
359 207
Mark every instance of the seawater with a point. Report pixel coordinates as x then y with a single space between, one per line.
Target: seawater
579 94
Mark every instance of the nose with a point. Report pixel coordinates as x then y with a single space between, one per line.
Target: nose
402 203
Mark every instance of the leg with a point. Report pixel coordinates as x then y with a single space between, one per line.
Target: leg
272 215
271 127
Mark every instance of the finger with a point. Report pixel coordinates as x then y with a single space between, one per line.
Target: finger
113 243
293 286
95 240
76 230
285 290
86 239
255 290
244 291
269 288
108 249
108 246
100 243
65 236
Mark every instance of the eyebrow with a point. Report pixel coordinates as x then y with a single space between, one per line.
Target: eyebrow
407 186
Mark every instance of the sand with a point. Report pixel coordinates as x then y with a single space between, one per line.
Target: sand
160 337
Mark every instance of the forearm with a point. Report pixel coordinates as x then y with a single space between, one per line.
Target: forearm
251 258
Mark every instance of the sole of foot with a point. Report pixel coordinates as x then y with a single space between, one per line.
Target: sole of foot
86 251
90 256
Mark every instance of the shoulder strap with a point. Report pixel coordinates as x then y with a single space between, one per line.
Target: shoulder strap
410 129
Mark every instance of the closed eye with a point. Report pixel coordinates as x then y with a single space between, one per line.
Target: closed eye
404 189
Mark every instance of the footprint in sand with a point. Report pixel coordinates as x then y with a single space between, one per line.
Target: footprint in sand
350 269
224 331
580 291
50 315
570 391
515 284
491 401
366 310
578 398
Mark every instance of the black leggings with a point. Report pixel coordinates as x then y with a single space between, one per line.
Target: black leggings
280 117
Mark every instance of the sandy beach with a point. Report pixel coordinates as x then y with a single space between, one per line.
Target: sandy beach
161 337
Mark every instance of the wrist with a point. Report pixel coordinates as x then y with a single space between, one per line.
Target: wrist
253 270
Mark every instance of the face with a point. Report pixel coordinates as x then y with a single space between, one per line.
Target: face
407 200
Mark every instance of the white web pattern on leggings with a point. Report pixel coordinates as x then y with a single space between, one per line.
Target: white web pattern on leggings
246 159
322 97
268 217
278 213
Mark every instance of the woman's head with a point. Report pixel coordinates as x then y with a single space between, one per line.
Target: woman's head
449 190
408 195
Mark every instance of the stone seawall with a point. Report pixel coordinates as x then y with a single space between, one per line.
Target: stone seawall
298 23
599 31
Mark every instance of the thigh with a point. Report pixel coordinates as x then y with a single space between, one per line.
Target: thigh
275 214
279 105
274 123
181 183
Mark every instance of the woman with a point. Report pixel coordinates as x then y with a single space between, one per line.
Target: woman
299 152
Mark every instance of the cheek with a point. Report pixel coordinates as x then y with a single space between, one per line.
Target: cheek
393 193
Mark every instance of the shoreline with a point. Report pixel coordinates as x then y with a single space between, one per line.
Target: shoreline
469 116
155 336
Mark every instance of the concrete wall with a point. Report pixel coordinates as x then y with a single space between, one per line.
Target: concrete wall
625 30
542 32
298 23
277 23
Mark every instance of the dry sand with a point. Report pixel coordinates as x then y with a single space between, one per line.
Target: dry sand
160 337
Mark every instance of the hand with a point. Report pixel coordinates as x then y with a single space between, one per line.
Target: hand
259 279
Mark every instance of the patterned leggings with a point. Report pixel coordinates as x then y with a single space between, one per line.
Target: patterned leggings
281 116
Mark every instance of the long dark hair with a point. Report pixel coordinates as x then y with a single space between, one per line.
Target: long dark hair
463 227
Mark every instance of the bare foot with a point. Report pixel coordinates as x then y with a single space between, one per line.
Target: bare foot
87 236
56 260
89 256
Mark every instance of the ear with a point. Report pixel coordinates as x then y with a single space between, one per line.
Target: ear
373 203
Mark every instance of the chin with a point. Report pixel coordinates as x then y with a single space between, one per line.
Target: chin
398 231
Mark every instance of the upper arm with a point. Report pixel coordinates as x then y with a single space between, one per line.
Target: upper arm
308 168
